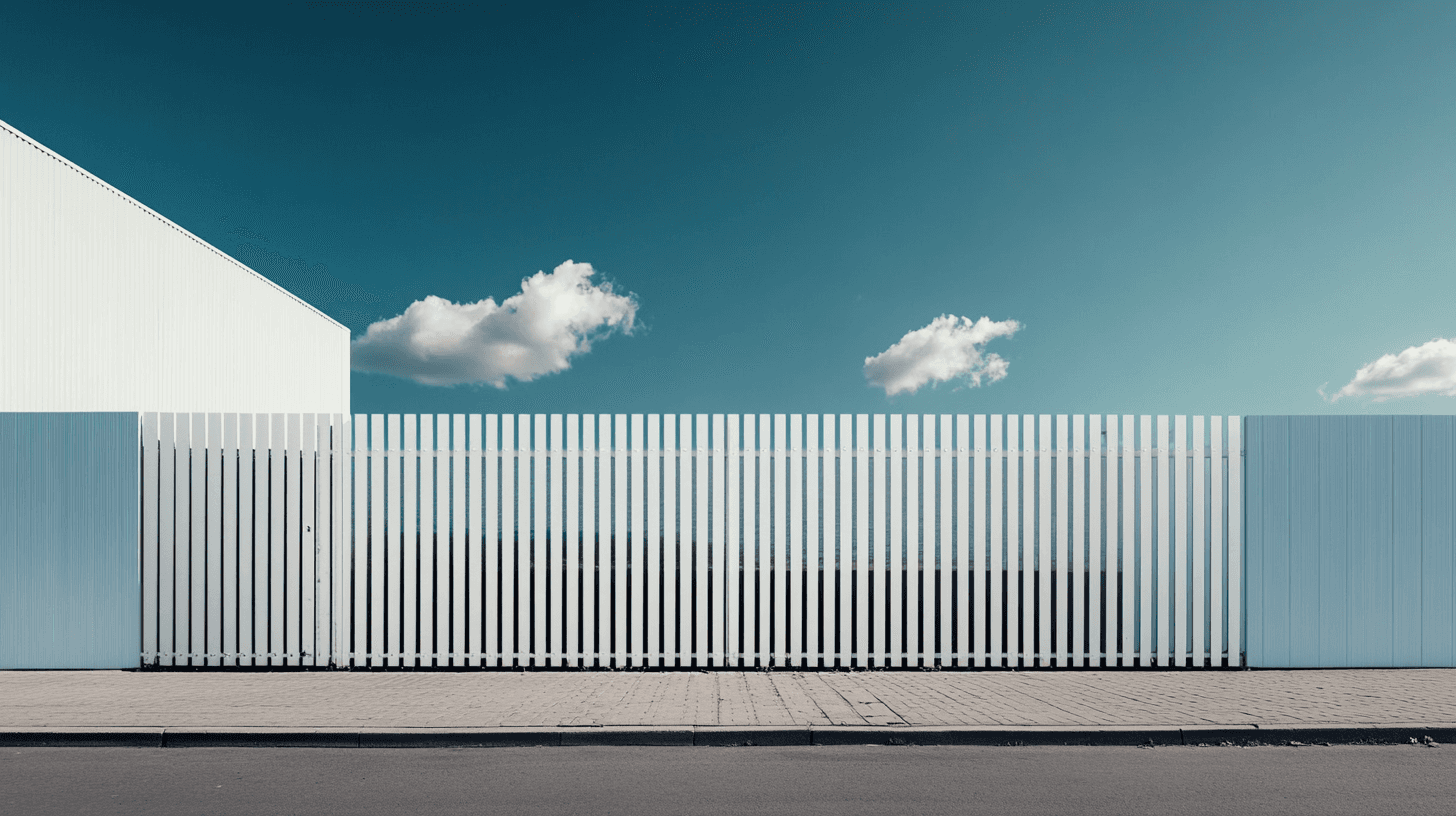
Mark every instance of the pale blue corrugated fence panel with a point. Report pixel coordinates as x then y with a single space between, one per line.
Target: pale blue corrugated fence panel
1350 540
69 585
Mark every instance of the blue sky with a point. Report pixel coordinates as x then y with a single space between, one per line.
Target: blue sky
1157 208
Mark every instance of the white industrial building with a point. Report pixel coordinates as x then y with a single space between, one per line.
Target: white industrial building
105 305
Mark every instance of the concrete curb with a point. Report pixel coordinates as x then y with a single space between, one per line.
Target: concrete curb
680 736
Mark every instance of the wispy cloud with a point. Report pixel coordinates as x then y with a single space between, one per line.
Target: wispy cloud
530 334
1429 368
949 348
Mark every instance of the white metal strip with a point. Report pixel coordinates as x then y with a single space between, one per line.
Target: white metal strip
1216 617
914 524
879 548
474 541
846 543
1066 616
167 494
410 549
1079 641
510 613
620 556
861 559
963 521
700 541
540 564
761 558
980 522
151 481
1235 540
194 579
182 556
212 544
1129 541
719 540
1179 590
795 612
427 550
896 550
607 585
589 528
637 547
943 563
1163 576
1029 543
229 485
394 543
358 551
671 527
248 521
734 543
653 647
1014 462
377 645
333 588
1199 543
998 561
1145 611
286 616
778 542
814 558
1095 519
573 642
685 540
308 537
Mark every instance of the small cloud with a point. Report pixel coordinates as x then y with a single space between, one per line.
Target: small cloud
949 348
1421 370
532 333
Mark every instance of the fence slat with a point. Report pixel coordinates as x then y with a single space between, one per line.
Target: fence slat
779 544
653 649
410 538
308 548
556 574
1064 623
861 558
1028 540
1014 462
1128 541
573 541
998 561
637 548
897 538
734 543
880 547
394 540
796 612
762 587
1180 586
963 521
1199 543
981 524
814 557
1095 554
1235 540
609 584
914 515
475 545
1045 539
181 551
212 544
166 538
540 566
671 526
719 541
330 582
1163 576
1079 642
589 528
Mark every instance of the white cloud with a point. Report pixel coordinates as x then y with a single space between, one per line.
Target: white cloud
1429 368
532 333
949 348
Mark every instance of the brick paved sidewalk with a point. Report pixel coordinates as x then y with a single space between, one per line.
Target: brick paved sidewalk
786 700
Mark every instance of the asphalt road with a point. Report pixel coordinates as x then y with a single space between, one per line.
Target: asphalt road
645 781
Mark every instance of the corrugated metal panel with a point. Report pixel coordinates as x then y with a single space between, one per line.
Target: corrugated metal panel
1350 541
69 585
106 305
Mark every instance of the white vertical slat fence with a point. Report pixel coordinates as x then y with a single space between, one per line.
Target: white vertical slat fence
702 540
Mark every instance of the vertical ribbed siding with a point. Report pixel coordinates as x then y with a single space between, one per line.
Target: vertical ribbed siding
1350 541
106 305
69 591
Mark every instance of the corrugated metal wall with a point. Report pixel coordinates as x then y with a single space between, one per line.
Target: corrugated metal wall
106 305
1349 540
69 588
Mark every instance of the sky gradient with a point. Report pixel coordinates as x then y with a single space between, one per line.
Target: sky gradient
1205 208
